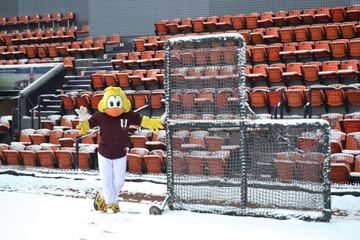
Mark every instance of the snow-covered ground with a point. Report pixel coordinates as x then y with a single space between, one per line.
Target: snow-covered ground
48 206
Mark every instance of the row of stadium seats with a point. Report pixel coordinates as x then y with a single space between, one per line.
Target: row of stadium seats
44 155
307 74
286 166
37 19
52 50
288 52
304 51
154 99
324 99
280 74
316 32
128 79
68 61
139 159
297 100
255 20
64 135
135 60
302 33
49 35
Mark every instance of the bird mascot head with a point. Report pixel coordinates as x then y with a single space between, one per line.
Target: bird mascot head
114 103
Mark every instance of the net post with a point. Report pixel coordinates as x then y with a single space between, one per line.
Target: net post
326 173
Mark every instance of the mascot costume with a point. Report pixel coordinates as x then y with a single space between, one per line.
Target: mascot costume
114 118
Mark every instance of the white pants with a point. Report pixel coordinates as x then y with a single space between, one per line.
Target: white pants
112 177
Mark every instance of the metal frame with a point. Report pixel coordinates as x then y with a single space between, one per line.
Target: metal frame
181 41
243 125
243 209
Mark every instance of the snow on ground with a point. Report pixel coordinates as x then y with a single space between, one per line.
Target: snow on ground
61 208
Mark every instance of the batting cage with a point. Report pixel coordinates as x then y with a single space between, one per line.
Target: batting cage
219 160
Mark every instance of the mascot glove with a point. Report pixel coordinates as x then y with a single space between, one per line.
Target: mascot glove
84 127
153 124
83 115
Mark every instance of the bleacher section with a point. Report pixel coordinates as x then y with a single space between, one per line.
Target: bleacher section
300 64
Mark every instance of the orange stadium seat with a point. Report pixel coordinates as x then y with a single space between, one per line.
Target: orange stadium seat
65 159
338 14
12 157
154 161
279 19
135 159
353 12
29 158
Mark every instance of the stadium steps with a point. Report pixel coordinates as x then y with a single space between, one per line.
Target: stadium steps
79 82
85 71
80 87
75 77
46 113
102 64
51 105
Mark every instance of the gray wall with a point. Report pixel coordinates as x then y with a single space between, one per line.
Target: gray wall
137 17
8 8
233 7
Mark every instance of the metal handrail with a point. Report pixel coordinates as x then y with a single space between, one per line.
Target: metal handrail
32 114
40 105
12 127
77 142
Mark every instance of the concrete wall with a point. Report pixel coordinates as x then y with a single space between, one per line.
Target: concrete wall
8 8
131 18
137 17
233 7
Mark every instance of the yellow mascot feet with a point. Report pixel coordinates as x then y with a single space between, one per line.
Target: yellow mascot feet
112 208
99 202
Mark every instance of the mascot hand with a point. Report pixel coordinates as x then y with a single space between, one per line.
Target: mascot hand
153 124
83 115
83 126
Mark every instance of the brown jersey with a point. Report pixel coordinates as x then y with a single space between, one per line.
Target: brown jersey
114 132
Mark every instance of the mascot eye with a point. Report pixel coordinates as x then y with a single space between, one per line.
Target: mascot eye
118 101
111 102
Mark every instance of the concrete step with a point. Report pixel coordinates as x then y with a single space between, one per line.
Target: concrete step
46 113
52 108
89 72
102 64
76 77
84 70
77 87
51 102
97 68
79 82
